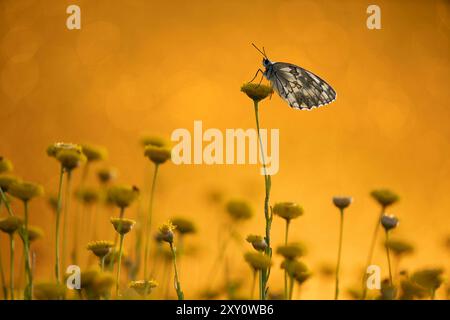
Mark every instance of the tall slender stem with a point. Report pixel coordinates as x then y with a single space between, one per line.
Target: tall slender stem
338 265
102 263
6 202
119 264
180 293
65 217
252 292
28 293
58 220
371 251
149 223
388 258
11 264
291 287
3 280
286 234
113 256
267 184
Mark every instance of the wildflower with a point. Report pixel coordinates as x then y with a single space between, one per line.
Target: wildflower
5 165
430 279
107 174
55 148
411 290
153 141
257 261
70 159
122 196
399 247
166 231
384 197
6 180
239 210
103 283
25 191
256 92
184 226
158 155
342 202
88 195
35 233
100 248
387 291
291 251
10 224
287 210
122 225
87 277
297 270
258 242
94 153
143 287
389 222
49 291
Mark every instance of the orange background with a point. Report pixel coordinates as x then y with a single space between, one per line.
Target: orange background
140 67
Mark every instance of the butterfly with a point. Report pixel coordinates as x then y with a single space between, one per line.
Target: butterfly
300 88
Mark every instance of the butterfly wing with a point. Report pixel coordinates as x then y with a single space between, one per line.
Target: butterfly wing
301 88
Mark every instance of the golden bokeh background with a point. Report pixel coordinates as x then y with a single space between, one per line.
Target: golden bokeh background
139 67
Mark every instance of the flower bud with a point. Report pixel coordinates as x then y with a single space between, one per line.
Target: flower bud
389 222
287 210
157 155
258 242
342 202
256 92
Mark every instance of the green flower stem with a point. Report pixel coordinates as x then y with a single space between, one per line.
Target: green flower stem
268 216
119 227
28 293
291 287
371 251
102 262
2 278
58 220
6 202
180 293
149 223
11 265
286 290
78 217
65 217
261 285
388 258
338 265
119 264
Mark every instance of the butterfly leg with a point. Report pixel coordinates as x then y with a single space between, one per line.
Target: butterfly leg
256 74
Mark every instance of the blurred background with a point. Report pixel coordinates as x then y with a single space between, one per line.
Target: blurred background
147 67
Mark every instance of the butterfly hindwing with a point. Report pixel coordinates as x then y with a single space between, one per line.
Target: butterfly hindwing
301 88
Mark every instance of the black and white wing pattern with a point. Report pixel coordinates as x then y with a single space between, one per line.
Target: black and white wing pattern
301 88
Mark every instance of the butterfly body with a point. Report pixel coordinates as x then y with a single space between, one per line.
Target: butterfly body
300 88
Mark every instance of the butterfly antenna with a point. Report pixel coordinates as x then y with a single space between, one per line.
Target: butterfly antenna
262 52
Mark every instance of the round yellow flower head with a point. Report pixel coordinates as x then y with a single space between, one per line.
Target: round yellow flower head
257 260
87 277
256 92
143 287
384 197
157 155
166 231
122 196
6 180
342 202
53 149
94 153
184 226
122 225
106 175
49 291
5 165
10 224
296 269
100 248
258 242
25 191
70 159
239 210
291 251
154 141
88 195
35 233
287 210
399 247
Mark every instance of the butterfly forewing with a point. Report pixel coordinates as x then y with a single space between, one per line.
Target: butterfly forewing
301 88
